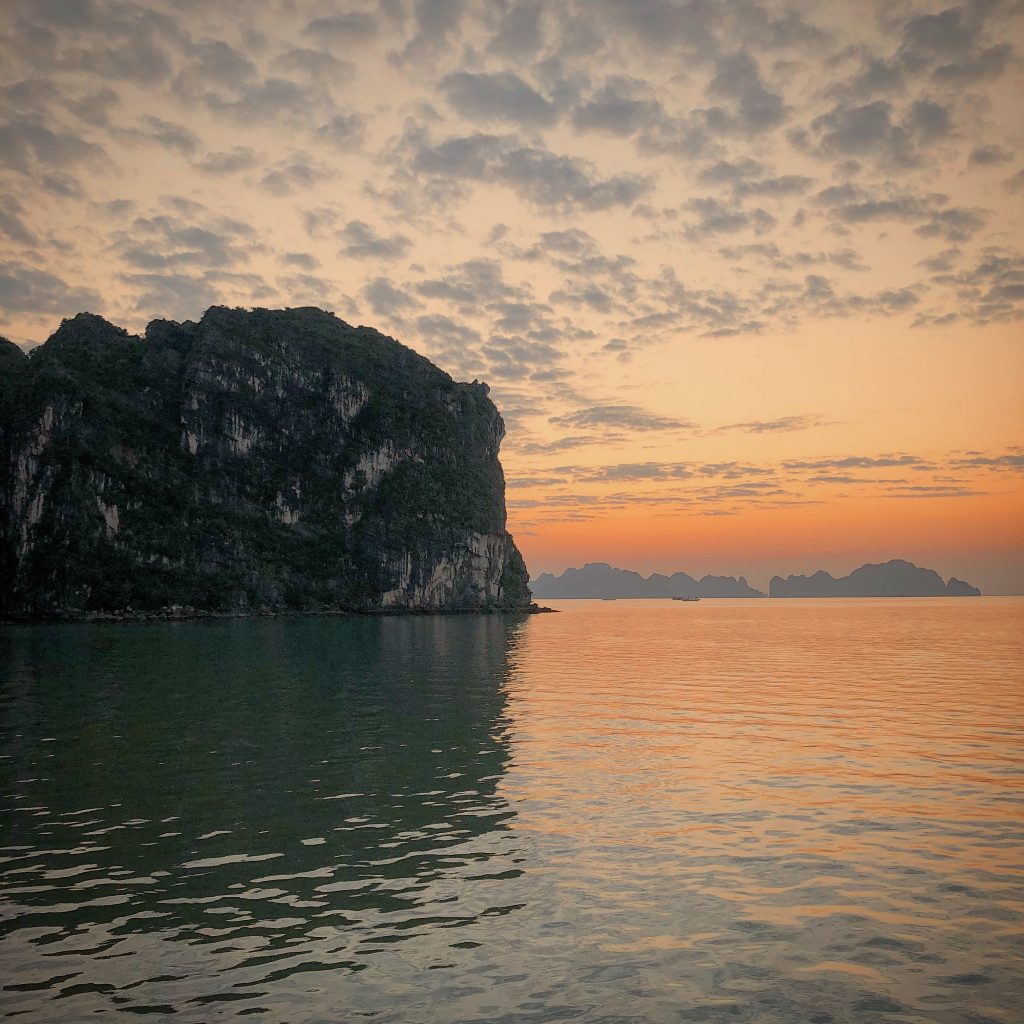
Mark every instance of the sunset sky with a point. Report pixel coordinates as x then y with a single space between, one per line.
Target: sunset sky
746 279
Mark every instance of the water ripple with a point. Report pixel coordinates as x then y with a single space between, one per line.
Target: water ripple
732 811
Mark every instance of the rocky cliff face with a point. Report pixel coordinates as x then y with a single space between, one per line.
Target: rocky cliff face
273 459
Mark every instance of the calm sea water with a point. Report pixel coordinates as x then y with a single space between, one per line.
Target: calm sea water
633 811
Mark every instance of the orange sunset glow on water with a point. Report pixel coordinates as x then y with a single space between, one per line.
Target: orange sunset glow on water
736 810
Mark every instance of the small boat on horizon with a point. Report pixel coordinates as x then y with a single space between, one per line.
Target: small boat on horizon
685 598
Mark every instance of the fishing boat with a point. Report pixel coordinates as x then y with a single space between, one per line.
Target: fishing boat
685 598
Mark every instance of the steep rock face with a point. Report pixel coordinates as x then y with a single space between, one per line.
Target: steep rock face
273 459
895 578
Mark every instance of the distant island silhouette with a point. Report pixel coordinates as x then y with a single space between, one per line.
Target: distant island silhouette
895 578
598 579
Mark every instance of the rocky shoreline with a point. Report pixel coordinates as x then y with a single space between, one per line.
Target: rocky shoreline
129 616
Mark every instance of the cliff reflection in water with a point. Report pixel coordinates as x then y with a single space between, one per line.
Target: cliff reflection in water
191 812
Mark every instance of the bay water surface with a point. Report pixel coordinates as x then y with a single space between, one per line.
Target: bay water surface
631 811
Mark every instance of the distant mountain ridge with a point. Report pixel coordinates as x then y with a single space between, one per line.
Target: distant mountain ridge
895 578
600 580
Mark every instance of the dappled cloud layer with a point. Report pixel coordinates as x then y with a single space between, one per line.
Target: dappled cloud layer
734 260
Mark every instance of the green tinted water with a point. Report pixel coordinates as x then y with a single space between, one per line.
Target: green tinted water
640 811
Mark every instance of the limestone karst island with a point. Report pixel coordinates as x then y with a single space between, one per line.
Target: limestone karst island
269 460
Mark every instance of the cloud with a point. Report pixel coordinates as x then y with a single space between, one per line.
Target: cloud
927 120
470 284
302 260
576 253
731 172
12 222
990 290
857 462
306 289
453 345
569 443
716 313
65 13
296 173
62 185
512 357
315 65
956 224
387 300
1012 460
584 294
520 32
942 262
930 213
240 158
540 177
621 107
26 145
468 156
988 156
876 131
989 63
436 22
535 481
178 296
136 59
502 96
946 34
756 108
625 471
342 28
621 417
661 25
716 218
774 188
26 289
318 221
866 130
530 318
546 179
363 242
342 130
214 61
770 253
262 100
785 424
877 77
167 134
198 239
689 136
867 208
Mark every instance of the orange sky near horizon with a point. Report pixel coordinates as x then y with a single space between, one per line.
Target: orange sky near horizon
745 279
760 544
